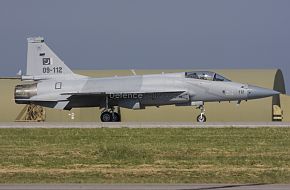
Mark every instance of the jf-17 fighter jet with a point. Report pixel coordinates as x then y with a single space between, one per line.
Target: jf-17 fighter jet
50 83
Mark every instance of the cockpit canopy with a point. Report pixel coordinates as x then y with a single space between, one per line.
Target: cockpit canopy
206 75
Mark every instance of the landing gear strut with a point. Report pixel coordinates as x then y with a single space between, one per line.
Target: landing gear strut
201 117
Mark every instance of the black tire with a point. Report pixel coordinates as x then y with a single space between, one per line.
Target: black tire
115 117
201 118
106 117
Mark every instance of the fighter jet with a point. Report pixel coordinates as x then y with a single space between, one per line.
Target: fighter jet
50 83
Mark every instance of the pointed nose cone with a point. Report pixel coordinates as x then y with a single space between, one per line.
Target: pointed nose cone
258 92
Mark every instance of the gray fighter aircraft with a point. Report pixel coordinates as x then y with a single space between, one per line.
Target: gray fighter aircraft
50 83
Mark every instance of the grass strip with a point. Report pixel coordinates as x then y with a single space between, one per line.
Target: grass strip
209 155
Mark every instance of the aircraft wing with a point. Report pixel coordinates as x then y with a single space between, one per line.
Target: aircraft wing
110 93
67 95
84 93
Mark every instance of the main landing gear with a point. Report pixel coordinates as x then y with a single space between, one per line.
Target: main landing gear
110 116
201 117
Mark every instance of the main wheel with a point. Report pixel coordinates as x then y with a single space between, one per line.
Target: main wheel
201 118
106 116
115 117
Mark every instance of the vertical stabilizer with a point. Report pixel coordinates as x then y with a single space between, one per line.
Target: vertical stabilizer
42 61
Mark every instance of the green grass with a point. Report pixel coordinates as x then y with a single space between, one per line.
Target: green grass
223 155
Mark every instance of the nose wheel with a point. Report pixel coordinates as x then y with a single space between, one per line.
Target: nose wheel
201 118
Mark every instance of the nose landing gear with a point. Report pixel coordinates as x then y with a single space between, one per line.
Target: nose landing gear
201 118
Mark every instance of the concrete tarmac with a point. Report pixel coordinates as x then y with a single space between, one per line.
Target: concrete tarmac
141 124
147 187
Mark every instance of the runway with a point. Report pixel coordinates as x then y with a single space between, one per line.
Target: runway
148 187
142 125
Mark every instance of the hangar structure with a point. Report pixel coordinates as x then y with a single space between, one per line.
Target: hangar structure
275 108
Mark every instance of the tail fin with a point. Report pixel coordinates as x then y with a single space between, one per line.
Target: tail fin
42 61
